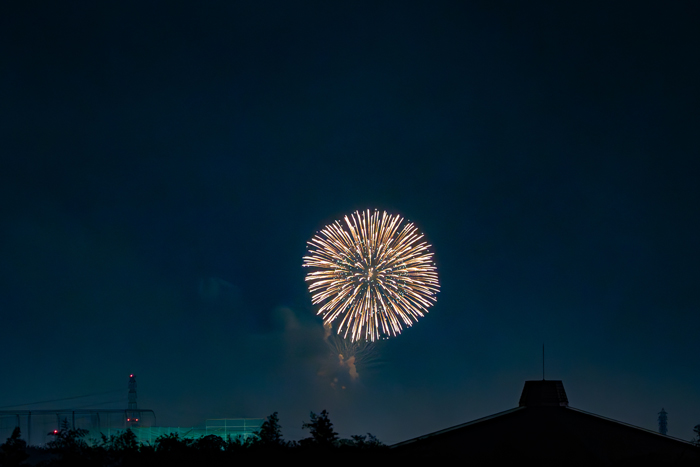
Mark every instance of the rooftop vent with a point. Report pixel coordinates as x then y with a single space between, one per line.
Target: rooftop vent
543 393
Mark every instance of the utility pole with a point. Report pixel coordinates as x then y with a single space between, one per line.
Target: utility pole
132 416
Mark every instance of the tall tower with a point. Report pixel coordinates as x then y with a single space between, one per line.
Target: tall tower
663 422
132 416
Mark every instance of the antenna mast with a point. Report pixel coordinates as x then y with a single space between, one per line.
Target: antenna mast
132 414
663 422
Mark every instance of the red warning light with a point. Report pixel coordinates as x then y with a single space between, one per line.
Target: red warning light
137 419
131 376
55 431
128 419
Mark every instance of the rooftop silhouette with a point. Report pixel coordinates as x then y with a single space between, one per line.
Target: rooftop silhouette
544 428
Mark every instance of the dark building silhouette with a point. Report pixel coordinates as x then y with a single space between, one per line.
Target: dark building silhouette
545 430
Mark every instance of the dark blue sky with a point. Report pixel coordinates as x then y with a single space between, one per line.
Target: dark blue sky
163 165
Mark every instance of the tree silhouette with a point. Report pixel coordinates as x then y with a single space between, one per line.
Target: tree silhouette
321 430
14 451
238 443
367 442
125 441
71 448
696 430
172 443
68 439
270 433
209 444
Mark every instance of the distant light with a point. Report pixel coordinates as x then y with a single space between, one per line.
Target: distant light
131 376
55 431
128 419
137 419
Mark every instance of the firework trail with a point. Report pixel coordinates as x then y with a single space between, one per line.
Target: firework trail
373 274
349 354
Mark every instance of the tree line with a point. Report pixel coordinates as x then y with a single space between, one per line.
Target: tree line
68 447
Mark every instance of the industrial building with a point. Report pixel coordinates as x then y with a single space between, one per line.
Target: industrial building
37 425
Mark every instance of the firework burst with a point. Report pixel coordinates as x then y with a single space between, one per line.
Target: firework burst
373 274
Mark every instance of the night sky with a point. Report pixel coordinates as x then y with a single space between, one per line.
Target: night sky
163 164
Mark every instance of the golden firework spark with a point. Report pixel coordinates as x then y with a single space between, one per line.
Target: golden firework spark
375 275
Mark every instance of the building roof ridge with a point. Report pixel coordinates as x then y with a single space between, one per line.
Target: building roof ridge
457 427
630 425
